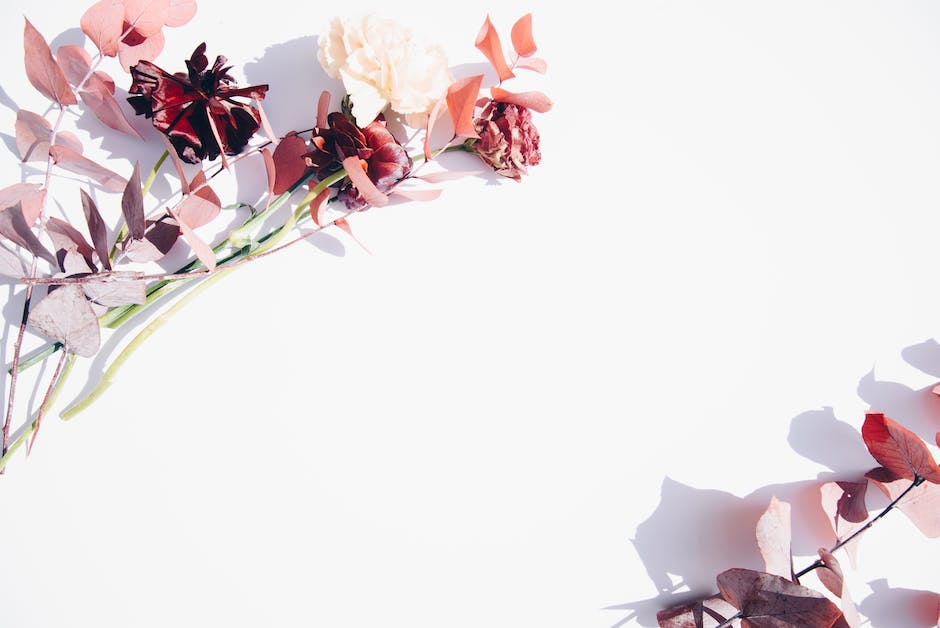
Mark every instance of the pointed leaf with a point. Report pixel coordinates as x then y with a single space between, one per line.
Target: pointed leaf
421 196
65 316
461 101
13 226
773 538
70 160
146 16
488 43
177 163
103 24
361 181
447 175
202 250
65 236
323 109
898 449
832 578
43 71
33 133
270 171
30 197
921 504
75 62
97 229
536 101
202 206
116 289
132 205
533 63
159 238
100 99
317 205
522 41
180 12
769 601
436 112
289 162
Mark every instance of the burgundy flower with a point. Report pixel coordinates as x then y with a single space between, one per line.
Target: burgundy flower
383 158
185 107
508 140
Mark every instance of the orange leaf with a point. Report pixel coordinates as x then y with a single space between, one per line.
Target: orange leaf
317 204
43 71
488 43
363 183
103 23
536 101
521 34
461 102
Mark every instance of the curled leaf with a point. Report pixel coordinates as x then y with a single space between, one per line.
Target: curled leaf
103 24
317 205
898 449
66 316
773 538
769 601
361 181
536 101
461 101
521 34
43 71
488 43
323 109
70 160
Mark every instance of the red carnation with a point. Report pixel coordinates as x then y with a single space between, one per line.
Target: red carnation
508 140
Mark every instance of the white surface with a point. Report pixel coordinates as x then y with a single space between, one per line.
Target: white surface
728 255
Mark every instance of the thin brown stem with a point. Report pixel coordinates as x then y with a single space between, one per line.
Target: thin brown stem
46 398
8 420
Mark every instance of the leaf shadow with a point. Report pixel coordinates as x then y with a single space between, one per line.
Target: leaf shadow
888 607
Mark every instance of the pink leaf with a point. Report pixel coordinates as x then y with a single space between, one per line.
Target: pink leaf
132 205
42 70
202 206
180 12
65 236
202 250
159 238
461 102
146 16
103 24
265 123
436 113
289 162
536 101
323 109
177 163
832 578
97 229
898 449
693 614
832 494
522 41
361 181
32 137
533 63
14 228
29 195
447 175
773 538
921 504
488 43
344 225
147 50
270 171
766 600
317 204
116 289
70 160
65 315
11 263
75 62
102 103
421 196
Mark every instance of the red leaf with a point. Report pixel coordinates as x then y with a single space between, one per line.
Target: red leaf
533 63
536 101
159 238
488 43
202 206
317 204
289 162
521 34
921 505
28 195
43 71
100 99
132 205
14 227
180 12
32 137
323 109
202 250
147 50
898 449
361 181
75 62
103 24
97 229
773 538
146 16
766 600
65 315
70 160
461 101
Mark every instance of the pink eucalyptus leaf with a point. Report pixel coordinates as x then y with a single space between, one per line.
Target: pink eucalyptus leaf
103 24
202 206
447 175
536 101
769 601
436 112
289 162
898 449
65 316
132 205
30 197
71 160
832 495
421 196
75 62
33 133
73 264
773 538
921 504
102 103
202 250
116 289
522 41
12 263
105 79
488 43
461 101
43 71
534 64
363 183
323 109
97 229
147 17
13 227
317 205
65 236
180 12
159 238
147 50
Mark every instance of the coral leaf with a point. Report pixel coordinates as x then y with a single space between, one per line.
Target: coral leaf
158 239
43 71
317 205
536 101
202 206
147 50
921 504
535 64
461 101
71 160
421 196
773 538
323 109
202 250
363 183
146 16
289 162
100 99
180 12
66 316
488 43
97 229
766 600
522 41
13 226
116 289
29 195
75 62
103 24
898 449
132 205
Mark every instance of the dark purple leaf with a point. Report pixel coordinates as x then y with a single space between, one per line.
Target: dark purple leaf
97 229
66 316
159 238
43 71
132 205
851 506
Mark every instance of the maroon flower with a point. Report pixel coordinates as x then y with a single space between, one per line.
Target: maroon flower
186 107
508 140
383 158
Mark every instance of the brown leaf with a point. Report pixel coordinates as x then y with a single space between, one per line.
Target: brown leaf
146 16
70 160
921 504
832 578
132 205
159 238
65 316
202 206
99 97
461 101
97 229
180 12
522 41
696 614
14 227
65 236
536 101
42 70
769 601
773 538
33 133
898 449
29 195
488 43
363 183
116 289
202 250
289 164
103 24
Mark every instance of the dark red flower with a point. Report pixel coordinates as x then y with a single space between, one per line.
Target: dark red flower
508 140
185 107
384 159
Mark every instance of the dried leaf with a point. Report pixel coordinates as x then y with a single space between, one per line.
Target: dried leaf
270 171
177 163
33 133
14 227
769 601
103 24
832 578
116 289
99 97
536 101
289 162
461 101
317 205
202 206
12 263
180 12
159 238
132 205
70 160
773 538
97 229
447 175
488 43
533 63
323 109
522 41
421 196
363 183
898 449
696 614
147 50
42 70
436 112
921 505
832 495
30 197
65 236
146 16
73 264
202 250
65 316
75 62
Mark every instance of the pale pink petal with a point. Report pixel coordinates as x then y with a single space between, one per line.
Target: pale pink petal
536 101
535 64
202 250
363 183
202 206
461 101
488 43
180 12
103 24
521 34
773 538
42 70
146 16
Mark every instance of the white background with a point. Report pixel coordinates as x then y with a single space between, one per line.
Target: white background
536 404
